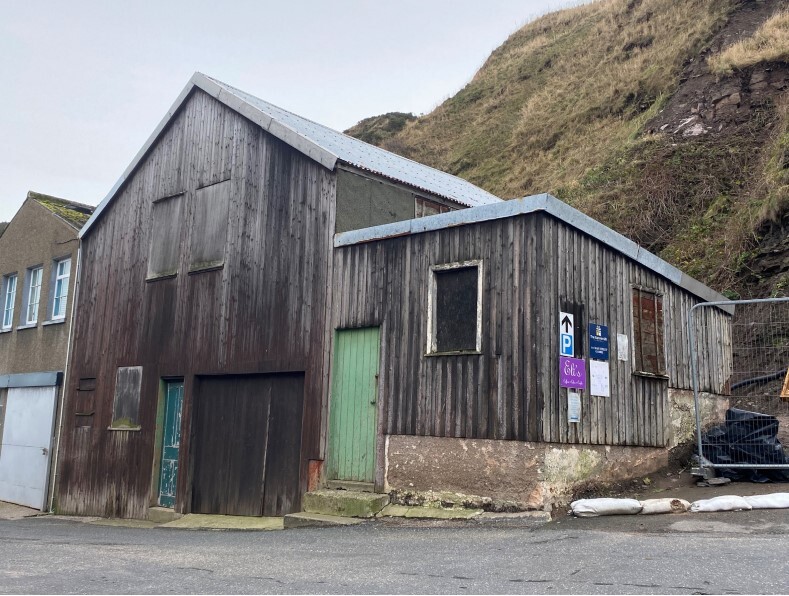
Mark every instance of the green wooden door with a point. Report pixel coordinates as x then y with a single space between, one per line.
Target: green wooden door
171 440
353 407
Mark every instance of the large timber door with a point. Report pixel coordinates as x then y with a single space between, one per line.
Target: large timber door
171 442
247 444
352 426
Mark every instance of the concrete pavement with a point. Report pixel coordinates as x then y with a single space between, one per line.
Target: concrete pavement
733 553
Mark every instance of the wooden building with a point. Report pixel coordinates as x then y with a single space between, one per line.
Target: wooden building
199 368
465 321
266 306
38 255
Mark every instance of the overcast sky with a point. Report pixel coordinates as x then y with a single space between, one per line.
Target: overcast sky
85 83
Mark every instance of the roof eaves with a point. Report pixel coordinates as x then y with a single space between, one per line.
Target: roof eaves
361 168
548 204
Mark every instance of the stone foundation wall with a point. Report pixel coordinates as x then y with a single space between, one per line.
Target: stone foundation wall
682 414
534 475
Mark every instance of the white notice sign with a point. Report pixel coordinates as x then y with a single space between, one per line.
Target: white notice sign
573 406
622 347
598 378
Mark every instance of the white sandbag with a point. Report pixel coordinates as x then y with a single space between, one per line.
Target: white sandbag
722 503
654 506
771 501
596 507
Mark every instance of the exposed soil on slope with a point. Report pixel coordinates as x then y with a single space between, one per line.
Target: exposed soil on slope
705 103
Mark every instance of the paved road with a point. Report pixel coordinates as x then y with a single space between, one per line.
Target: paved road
715 553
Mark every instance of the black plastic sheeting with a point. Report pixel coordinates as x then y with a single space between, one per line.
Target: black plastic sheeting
746 438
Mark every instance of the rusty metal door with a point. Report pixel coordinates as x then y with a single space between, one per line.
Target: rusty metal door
352 430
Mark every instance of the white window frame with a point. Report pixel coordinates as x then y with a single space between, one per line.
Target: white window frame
60 289
33 294
9 291
432 338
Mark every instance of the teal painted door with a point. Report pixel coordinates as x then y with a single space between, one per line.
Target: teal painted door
171 441
353 407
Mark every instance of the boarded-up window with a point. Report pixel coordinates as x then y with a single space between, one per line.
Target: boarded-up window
165 237
84 402
126 407
209 227
456 308
648 348
424 207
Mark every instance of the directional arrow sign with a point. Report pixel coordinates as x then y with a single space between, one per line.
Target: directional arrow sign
566 334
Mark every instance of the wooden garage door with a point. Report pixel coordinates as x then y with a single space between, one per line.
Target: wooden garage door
247 444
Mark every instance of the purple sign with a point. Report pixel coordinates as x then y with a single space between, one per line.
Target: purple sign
572 373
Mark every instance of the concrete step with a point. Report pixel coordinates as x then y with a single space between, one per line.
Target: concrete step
317 520
362 487
344 503
162 515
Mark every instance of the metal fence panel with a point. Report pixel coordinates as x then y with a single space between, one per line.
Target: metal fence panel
755 432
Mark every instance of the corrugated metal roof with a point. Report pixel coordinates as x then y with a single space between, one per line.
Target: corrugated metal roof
318 142
547 204
368 157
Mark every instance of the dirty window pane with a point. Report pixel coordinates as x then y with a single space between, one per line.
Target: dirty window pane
126 407
425 207
209 229
456 309
650 354
165 237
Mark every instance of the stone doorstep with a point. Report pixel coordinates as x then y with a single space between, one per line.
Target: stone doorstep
198 521
318 520
162 515
344 503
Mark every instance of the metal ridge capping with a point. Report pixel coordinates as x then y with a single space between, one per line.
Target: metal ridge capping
541 202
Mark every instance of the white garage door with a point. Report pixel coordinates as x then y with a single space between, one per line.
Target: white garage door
27 427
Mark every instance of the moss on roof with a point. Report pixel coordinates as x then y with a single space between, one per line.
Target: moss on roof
73 213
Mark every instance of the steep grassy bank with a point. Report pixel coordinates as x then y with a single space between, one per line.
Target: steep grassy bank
665 120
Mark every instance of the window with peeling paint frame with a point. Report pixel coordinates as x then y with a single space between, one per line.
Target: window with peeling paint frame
455 309
126 405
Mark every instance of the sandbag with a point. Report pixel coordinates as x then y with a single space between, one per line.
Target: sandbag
597 507
722 503
771 501
655 506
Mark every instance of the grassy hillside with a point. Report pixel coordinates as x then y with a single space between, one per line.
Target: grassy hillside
613 107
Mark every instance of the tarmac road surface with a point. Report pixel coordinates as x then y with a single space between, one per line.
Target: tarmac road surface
744 552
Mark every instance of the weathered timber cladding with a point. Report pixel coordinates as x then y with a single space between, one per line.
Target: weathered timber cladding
263 311
532 264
